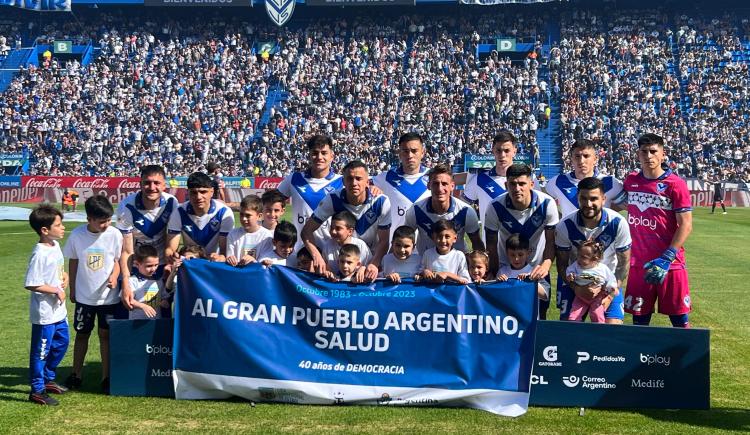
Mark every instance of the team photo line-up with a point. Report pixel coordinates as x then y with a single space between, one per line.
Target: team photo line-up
404 223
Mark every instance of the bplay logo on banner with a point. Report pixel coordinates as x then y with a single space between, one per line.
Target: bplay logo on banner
281 335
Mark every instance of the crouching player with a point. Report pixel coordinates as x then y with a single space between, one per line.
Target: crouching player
46 279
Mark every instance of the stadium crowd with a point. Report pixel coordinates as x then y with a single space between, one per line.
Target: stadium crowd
185 91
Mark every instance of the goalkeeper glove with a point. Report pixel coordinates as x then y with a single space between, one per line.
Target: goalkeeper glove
657 269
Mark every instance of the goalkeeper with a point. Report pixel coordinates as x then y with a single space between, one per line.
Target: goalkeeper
660 220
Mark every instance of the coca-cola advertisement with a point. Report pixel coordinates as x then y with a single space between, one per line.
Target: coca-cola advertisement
81 182
266 183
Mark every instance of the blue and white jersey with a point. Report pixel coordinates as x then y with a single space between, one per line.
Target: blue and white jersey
306 193
612 232
421 217
530 222
149 227
203 230
372 215
403 191
483 187
564 188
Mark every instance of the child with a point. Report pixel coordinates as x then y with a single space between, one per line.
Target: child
284 238
94 251
518 251
304 260
587 270
402 262
186 253
348 263
46 279
242 242
441 262
342 233
479 264
274 205
147 283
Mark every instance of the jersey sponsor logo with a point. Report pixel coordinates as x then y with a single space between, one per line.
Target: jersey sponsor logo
140 221
95 259
642 221
187 228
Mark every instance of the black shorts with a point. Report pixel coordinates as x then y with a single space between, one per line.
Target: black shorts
83 317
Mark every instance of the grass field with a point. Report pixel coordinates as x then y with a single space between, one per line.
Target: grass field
718 260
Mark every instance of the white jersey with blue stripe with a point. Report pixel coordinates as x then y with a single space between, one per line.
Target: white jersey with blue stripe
306 193
564 188
612 232
203 230
403 190
422 216
483 187
149 227
372 215
531 222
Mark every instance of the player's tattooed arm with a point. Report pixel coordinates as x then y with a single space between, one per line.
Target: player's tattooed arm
623 267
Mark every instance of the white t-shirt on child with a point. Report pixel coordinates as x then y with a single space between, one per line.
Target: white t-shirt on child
46 267
453 262
404 268
149 291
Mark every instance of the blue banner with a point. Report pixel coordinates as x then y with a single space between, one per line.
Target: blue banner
278 334
10 181
39 5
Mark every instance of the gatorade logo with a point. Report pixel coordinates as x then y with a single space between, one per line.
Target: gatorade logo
158 349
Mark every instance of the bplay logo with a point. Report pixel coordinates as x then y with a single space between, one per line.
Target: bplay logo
642 221
656 359
583 356
158 349
571 381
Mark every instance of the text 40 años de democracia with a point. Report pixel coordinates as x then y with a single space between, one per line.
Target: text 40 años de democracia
354 320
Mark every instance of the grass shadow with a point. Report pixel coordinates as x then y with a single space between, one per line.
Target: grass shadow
730 419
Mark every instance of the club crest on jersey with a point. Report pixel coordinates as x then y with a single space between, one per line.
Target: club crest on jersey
661 187
280 11
537 220
214 223
606 239
370 216
329 189
95 259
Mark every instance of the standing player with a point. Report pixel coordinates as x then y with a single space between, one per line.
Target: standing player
564 187
442 205
373 214
718 195
307 189
529 213
483 187
606 226
203 221
142 219
406 184
661 219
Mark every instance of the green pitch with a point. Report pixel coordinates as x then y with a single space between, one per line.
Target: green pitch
719 261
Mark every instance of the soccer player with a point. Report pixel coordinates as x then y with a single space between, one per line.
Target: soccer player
307 189
142 219
406 184
718 195
564 187
442 205
373 213
94 252
484 186
661 219
46 280
528 212
592 221
203 221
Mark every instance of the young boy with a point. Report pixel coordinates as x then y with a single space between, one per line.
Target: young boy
46 279
186 253
518 252
274 206
94 251
402 262
242 242
284 238
348 263
147 283
342 233
304 260
441 262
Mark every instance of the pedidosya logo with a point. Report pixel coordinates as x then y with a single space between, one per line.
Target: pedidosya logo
550 355
158 349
